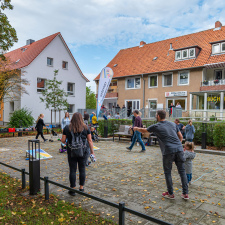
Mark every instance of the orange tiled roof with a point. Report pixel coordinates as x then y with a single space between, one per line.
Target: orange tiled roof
139 60
20 58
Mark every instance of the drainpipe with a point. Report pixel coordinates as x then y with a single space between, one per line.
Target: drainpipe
143 93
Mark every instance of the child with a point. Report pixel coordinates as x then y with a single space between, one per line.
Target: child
94 135
189 155
39 127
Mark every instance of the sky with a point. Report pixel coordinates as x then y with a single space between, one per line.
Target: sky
95 30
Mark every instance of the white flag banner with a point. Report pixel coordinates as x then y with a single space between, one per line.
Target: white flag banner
104 82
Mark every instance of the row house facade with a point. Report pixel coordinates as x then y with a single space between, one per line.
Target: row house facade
37 61
189 69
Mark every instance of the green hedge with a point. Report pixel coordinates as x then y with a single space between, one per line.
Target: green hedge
216 137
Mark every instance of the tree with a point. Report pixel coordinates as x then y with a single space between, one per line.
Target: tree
7 33
90 99
12 83
53 96
21 118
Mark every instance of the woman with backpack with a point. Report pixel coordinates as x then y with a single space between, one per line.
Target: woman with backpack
78 137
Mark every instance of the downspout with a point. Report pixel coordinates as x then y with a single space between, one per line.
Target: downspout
143 91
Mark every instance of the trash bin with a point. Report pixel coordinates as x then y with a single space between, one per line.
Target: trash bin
105 128
34 166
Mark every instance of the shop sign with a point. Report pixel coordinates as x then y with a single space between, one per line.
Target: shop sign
214 99
175 93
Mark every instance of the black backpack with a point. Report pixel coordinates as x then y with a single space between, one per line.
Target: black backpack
78 147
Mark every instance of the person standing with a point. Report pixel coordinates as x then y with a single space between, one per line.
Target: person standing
137 134
94 119
77 127
109 116
171 109
190 130
117 108
86 117
65 120
39 127
92 114
170 139
180 126
117 116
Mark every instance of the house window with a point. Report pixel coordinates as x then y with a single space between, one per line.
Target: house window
70 88
133 83
40 84
185 54
70 109
167 80
153 81
49 61
218 74
191 52
11 107
132 104
64 65
183 78
216 48
222 47
178 55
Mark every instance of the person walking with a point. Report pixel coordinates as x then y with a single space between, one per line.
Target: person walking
86 117
170 139
65 120
39 126
77 128
190 130
137 134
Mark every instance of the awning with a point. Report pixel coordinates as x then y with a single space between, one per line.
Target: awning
215 65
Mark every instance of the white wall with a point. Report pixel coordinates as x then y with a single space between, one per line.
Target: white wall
39 69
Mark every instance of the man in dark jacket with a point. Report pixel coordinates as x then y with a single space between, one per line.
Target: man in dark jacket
137 134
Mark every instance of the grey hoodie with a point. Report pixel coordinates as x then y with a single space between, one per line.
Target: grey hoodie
190 130
188 157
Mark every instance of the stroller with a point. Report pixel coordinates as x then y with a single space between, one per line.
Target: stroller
94 134
53 134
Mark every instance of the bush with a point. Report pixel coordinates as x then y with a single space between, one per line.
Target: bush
21 118
219 135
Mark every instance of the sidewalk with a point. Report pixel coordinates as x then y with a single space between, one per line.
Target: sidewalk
132 177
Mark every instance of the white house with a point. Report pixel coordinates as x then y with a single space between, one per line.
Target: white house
39 59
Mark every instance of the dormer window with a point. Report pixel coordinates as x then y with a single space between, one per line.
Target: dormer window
185 54
218 48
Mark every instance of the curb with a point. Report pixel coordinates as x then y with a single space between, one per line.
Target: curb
212 152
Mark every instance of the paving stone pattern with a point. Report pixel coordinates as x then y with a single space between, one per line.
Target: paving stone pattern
133 177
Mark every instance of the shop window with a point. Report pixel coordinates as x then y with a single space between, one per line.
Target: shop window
153 81
213 101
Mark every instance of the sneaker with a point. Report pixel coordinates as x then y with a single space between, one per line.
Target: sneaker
142 151
167 195
128 148
71 193
185 196
45 140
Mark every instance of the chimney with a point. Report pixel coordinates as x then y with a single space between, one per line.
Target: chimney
30 41
218 24
142 43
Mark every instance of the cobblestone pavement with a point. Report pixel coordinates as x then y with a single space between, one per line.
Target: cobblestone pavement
133 177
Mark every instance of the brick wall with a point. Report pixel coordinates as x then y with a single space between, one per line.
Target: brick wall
213 88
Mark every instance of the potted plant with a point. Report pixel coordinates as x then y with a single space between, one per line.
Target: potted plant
216 81
205 82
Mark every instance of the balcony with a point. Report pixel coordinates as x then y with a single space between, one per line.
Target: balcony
212 85
110 95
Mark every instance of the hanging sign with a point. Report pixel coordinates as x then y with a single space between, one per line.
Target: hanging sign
104 82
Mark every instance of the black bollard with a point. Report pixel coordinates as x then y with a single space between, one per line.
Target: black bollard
34 166
204 135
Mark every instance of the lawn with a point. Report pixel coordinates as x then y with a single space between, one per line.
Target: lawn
17 209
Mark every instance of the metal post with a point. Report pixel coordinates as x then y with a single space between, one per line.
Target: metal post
204 135
46 183
23 179
121 213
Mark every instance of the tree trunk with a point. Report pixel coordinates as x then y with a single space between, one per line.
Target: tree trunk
55 116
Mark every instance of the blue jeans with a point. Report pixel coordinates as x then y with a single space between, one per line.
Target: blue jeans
189 140
168 160
137 136
189 177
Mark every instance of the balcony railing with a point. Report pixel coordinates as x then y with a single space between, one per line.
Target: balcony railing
212 83
110 95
